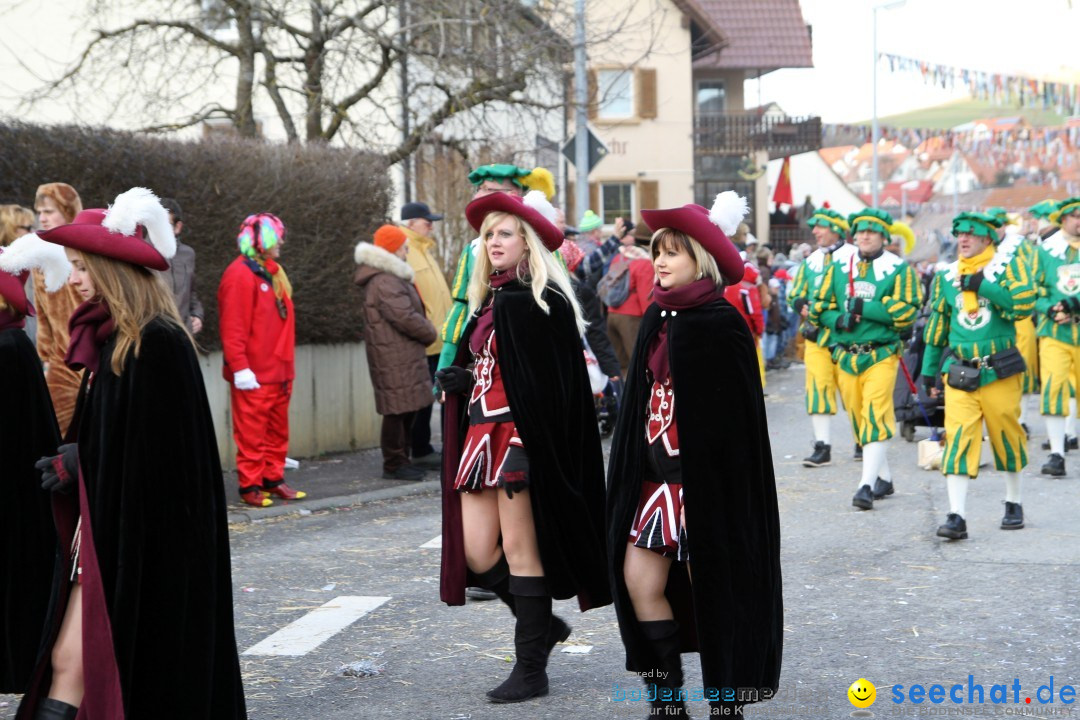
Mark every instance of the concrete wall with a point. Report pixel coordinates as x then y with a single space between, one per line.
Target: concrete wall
332 408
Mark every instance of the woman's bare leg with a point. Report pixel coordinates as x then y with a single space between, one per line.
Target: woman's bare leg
646 574
519 535
67 656
480 523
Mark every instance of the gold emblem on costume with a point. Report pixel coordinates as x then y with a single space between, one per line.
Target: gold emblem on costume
975 320
1068 279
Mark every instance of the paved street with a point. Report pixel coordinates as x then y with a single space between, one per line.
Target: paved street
867 594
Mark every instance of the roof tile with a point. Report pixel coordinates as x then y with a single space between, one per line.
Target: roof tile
761 35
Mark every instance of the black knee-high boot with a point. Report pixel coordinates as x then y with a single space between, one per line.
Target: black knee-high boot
667 676
50 709
497 580
529 678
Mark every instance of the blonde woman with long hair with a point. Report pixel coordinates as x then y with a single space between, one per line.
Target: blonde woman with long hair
144 585
523 487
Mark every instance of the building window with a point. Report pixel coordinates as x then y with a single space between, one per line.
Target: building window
616 93
616 200
710 96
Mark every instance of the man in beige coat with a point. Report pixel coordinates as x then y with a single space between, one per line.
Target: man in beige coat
418 223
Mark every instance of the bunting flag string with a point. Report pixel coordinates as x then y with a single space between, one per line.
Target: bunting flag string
1000 88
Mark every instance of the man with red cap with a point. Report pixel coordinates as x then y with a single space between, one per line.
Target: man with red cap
679 497
258 339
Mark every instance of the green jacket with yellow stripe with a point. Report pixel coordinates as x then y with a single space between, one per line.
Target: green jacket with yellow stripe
890 295
1056 277
808 279
458 317
1005 295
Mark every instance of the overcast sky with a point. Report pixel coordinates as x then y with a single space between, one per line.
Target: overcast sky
1038 38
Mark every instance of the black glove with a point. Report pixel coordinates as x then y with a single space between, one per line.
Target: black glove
1071 305
971 282
59 472
799 304
810 332
846 322
453 379
855 305
929 383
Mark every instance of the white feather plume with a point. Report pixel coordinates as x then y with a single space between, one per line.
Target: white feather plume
139 206
727 211
539 202
30 252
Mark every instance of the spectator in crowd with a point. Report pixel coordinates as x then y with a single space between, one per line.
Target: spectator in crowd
16 221
56 204
180 276
596 332
745 295
142 587
418 224
595 262
258 340
683 578
590 232
28 431
523 520
396 333
626 290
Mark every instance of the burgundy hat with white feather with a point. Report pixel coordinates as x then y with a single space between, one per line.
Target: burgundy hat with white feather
135 229
711 228
534 209
30 252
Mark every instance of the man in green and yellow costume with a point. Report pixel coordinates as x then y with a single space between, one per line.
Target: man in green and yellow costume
975 304
830 229
1057 281
865 301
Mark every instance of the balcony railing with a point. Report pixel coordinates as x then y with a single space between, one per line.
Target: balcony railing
743 133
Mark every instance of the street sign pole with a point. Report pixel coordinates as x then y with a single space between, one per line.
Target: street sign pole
581 100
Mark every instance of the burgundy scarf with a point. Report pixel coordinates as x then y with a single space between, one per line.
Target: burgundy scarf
686 297
485 322
90 326
10 320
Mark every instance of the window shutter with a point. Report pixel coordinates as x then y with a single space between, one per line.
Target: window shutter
648 195
594 199
593 106
646 93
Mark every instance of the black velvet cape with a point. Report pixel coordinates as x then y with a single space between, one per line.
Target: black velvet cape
158 638
542 362
28 431
732 614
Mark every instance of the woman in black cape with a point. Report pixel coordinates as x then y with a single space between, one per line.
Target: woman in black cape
693 528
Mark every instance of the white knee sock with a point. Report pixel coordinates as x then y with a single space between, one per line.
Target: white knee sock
1012 487
957 486
1070 420
821 428
883 470
873 456
1055 429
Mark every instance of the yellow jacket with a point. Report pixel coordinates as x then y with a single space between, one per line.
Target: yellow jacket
430 281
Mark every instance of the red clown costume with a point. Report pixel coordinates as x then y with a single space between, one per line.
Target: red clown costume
258 338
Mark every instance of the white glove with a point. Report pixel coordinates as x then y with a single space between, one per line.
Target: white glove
245 380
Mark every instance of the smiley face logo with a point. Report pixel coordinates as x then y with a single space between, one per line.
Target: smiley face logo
862 693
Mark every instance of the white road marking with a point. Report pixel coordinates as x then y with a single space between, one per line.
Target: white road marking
309 632
433 543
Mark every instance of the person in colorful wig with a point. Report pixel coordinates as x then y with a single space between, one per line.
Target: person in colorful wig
143 584
830 230
685 581
258 340
28 430
1057 281
523 472
864 301
486 179
975 303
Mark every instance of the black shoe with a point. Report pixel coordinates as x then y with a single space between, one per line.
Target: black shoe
529 677
667 676
1054 466
822 455
864 498
1014 516
50 709
857 457
433 460
882 488
405 472
954 528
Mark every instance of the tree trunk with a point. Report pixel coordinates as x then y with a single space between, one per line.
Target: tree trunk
245 83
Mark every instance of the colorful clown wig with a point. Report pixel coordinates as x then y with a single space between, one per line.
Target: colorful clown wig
258 234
